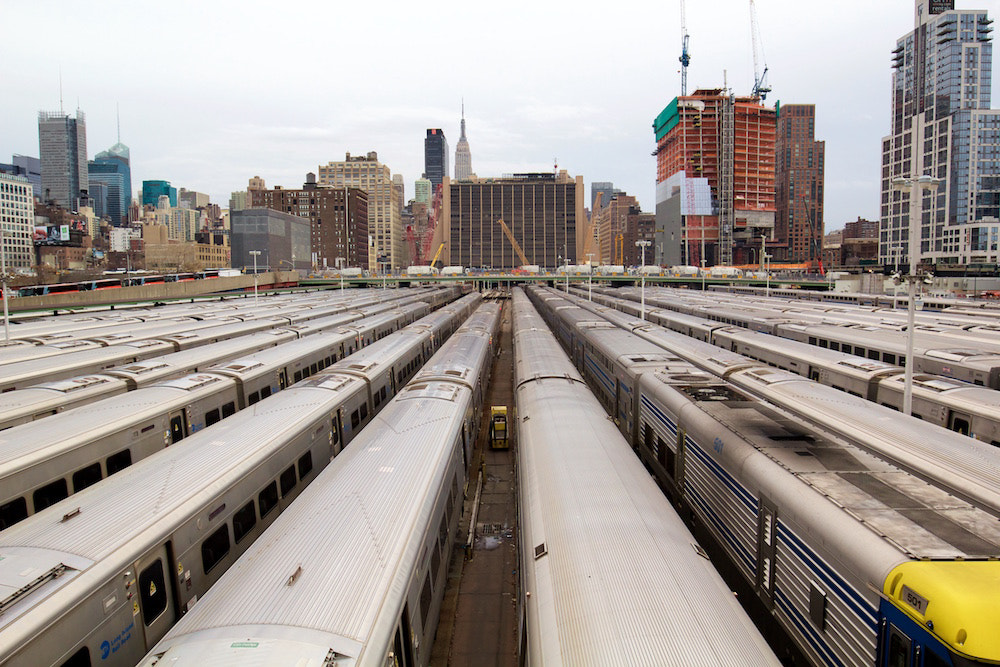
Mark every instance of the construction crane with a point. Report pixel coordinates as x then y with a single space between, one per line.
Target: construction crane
685 58
513 242
760 87
436 255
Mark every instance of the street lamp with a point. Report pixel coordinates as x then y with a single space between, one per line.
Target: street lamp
767 275
703 275
643 244
255 253
340 269
3 277
590 277
900 184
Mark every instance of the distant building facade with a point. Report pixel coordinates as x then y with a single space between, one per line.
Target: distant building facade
153 190
17 215
423 190
544 211
435 156
29 167
606 189
62 144
798 224
612 225
191 199
338 219
280 237
715 155
113 168
385 209
942 126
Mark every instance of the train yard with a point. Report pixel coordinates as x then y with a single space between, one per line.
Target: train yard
314 478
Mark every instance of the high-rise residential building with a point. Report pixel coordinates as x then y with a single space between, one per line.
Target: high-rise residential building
714 178
385 231
798 222
423 191
153 190
239 200
435 156
29 167
611 222
62 144
112 168
191 199
463 154
338 220
942 126
17 221
544 211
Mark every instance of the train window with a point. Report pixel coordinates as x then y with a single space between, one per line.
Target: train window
899 648
812 340
253 398
244 520
377 399
355 419
176 428
79 659
120 461
305 464
214 548
265 392
873 354
287 480
50 494
85 477
383 393
298 375
312 369
661 449
846 348
436 563
268 499
889 358
443 532
824 343
229 409
425 600
152 591
859 351
364 411
834 345
647 436
212 417
12 512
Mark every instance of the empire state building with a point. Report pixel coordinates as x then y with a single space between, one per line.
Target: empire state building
463 155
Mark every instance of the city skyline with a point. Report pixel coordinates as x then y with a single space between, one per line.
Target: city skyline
203 116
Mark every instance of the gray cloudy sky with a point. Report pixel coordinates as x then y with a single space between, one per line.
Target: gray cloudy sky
212 93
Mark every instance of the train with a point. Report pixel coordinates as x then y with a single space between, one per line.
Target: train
354 572
100 577
46 461
580 524
954 404
868 536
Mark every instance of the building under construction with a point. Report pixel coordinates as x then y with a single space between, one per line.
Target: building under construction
715 162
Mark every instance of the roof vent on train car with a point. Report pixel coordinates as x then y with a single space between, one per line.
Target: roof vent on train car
541 550
715 392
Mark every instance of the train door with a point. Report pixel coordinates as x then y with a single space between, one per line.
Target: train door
178 426
898 648
402 643
156 608
283 379
814 374
336 434
959 423
767 531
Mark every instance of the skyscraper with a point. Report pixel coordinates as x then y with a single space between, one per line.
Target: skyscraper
17 215
463 154
385 209
153 190
435 156
798 223
112 167
62 144
942 126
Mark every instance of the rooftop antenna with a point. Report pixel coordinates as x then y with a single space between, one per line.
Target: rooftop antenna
60 91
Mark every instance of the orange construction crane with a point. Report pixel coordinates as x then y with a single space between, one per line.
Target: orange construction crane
513 242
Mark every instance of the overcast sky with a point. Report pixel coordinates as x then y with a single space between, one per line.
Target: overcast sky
212 93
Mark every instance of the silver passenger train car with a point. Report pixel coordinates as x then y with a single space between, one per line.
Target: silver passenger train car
45 461
607 567
870 537
354 572
101 576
